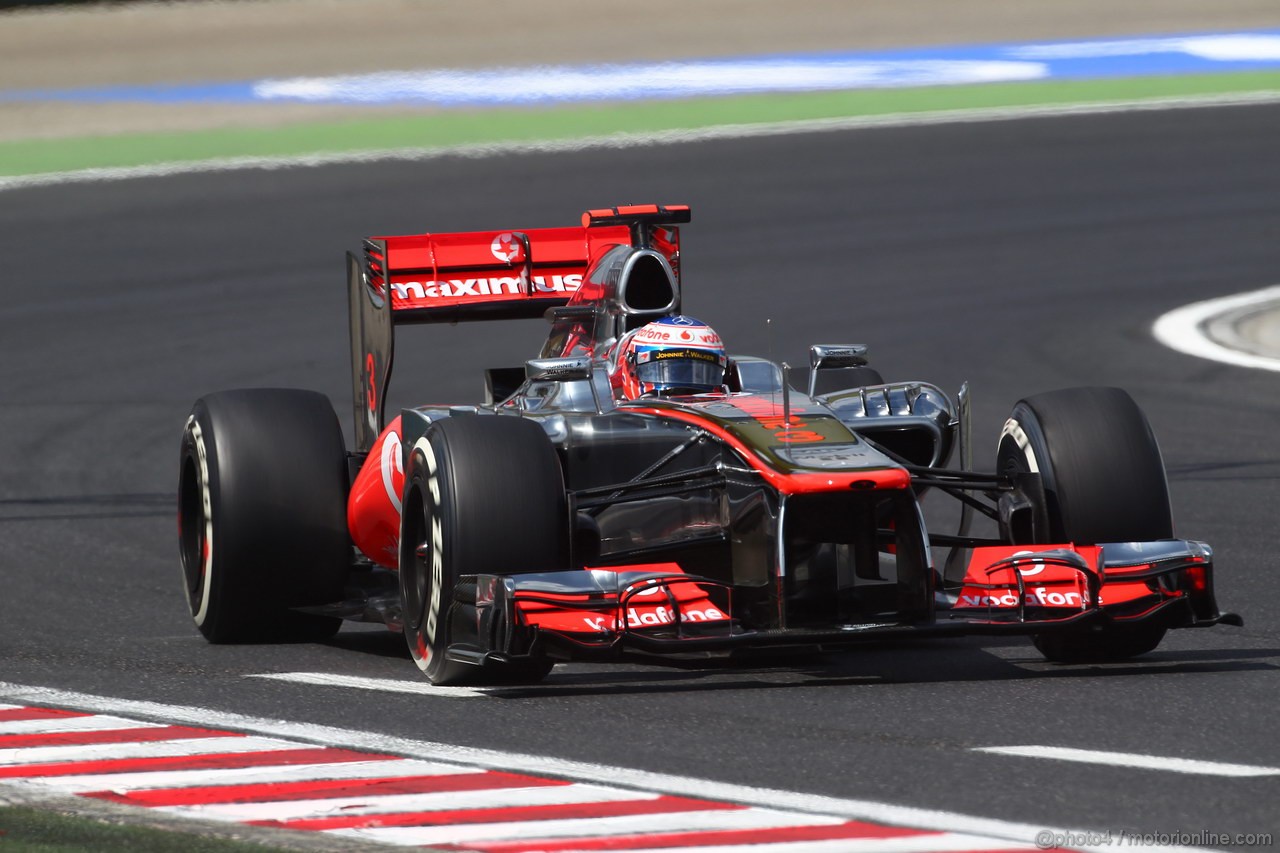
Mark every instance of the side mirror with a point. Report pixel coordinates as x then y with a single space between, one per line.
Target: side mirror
837 355
833 357
558 369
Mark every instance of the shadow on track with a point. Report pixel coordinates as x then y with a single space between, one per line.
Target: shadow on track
918 662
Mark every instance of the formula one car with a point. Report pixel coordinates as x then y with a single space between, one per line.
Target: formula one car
561 519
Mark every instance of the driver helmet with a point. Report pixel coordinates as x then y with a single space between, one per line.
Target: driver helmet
673 355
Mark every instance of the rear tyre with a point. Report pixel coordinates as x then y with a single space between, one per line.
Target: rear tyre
484 494
262 495
1104 481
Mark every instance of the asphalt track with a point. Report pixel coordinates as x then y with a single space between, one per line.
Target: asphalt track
1020 255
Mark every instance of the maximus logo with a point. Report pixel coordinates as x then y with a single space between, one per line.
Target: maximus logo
495 286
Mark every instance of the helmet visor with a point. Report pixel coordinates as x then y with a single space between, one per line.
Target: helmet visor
694 369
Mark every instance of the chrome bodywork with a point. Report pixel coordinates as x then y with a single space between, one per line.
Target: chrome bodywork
798 513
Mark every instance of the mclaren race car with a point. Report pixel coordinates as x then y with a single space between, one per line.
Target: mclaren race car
562 519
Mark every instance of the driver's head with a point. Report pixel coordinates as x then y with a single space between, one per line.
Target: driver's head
674 355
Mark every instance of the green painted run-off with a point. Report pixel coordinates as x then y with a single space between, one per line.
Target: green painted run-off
440 129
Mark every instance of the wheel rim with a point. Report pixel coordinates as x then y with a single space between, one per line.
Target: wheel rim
414 583
195 548
415 580
421 582
195 523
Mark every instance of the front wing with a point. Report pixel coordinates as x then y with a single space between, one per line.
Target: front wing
658 609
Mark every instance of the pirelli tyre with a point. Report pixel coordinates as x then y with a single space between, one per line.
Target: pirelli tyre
483 494
1104 481
262 527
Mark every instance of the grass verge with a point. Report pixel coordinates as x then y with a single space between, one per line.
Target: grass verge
29 830
456 128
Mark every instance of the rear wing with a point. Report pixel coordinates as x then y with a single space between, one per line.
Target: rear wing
477 275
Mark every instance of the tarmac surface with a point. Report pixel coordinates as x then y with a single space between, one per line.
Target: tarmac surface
220 40
1021 256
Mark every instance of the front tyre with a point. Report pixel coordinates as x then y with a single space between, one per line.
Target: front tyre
1103 476
1100 644
1104 481
262 494
484 494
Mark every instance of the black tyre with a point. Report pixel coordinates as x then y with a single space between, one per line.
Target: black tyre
262 497
1100 644
845 378
1103 477
1104 481
484 494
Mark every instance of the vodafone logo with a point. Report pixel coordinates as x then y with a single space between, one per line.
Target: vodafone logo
1039 596
651 616
649 333
506 248
1029 572
704 337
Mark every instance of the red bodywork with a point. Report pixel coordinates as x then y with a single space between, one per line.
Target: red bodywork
373 509
433 277
1008 579
656 603
373 518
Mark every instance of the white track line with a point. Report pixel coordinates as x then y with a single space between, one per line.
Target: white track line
384 685
96 723
641 140
148 780
814 805
696 821
1132 760
152 749
374 803
1185 329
